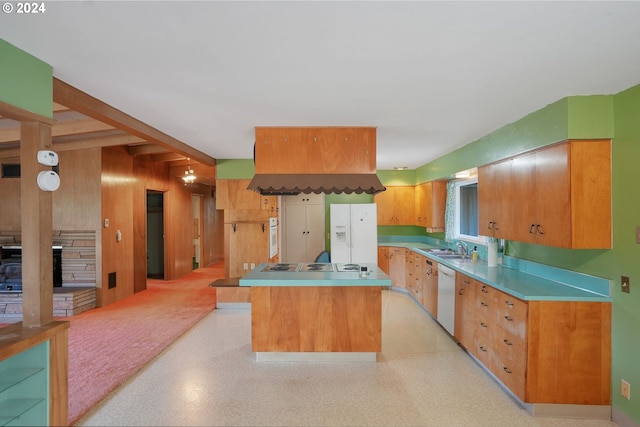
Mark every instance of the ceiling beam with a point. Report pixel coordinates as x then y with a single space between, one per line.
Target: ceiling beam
102 141
167 157
67 95
16 113
60 129
139 150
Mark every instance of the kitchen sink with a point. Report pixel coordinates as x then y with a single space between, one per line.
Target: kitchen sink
451 256
441 252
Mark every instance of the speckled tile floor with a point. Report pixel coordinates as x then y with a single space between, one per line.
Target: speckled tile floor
422 378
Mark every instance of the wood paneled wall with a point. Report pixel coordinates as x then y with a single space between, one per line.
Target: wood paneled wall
109 183
117 207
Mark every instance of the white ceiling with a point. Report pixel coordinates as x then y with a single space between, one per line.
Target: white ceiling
432 76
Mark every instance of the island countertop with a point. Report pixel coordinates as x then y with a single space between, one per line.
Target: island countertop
258 277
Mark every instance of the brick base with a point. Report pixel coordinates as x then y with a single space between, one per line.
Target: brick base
67 301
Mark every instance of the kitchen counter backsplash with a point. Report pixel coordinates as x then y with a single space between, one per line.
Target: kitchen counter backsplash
598 286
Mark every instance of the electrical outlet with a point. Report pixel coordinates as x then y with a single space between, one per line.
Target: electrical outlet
245 266
625 389
624 280
253 265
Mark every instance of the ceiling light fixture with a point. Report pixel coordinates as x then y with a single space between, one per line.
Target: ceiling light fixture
189 176
400 168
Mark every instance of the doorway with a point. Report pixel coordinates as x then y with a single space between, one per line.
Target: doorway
196 213
155 234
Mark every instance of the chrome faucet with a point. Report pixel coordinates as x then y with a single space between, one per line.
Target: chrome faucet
462 248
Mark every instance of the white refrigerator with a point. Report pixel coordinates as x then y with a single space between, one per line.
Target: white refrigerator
354 233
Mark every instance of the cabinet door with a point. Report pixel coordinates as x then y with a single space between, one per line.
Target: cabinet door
430 287
522 208
436 206
383 258
386 206
409 270
315 231
495 194
248 243
419 276
397 267
396 205
465 310
405 205
422 195
553 197
233 194
295 237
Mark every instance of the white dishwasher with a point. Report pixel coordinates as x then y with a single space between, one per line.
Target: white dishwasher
446 297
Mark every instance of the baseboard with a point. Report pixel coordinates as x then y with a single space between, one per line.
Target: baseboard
552 410
622 419
233 305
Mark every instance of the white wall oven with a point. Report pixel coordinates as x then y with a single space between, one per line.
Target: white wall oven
273 237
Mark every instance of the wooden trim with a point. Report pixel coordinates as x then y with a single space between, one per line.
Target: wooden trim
84 103
37 217
16 113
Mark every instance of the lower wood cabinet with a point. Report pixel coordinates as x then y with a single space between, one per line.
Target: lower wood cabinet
430 286
543 351
464 322
397 266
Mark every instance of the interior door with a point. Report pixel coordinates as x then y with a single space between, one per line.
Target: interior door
295 239
155 234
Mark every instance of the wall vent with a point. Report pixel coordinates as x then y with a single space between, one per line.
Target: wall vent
112 280
11 170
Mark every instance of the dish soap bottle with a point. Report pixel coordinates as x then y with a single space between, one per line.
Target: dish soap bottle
474 254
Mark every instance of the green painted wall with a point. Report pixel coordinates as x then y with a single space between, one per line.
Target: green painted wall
574 117
25 81
623 259
235 168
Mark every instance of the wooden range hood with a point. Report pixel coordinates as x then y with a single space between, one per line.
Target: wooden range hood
293 160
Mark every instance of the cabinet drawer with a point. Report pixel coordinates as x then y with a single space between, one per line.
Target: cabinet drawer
511 314
512 376
509 347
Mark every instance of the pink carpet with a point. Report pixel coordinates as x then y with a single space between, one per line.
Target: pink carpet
108 345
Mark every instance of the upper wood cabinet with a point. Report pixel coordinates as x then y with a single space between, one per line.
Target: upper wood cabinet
396 205
494 196
559 196
307 150
430 201
232 195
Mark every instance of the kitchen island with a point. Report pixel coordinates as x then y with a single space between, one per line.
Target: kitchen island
316 312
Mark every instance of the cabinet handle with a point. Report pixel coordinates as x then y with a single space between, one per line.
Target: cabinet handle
490 225
484 325
483 348
495 226
507 342
461 291
507 370
539 229
484 290
484 304
510 304
508 319
532 228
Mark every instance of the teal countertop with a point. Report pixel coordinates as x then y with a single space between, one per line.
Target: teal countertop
522 284
257 277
